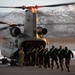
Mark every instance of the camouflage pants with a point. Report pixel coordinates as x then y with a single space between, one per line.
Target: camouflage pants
21 62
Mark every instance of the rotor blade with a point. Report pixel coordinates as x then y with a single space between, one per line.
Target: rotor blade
17 24
4 28
5 38
57 24
29 7
56 5
10 24
1 22
10 7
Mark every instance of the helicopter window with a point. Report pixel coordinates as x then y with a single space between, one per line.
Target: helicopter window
16 43
11 44
28 20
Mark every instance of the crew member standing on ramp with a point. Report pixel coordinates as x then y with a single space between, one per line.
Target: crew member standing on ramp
21 57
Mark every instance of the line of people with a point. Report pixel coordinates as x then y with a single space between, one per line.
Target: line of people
45 58
59 55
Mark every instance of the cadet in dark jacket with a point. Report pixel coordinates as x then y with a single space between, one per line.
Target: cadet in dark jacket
33 51
61 53
46 58
68 55
53 54
40 56
28 54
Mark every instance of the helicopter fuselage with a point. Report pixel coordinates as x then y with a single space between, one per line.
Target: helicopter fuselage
27 39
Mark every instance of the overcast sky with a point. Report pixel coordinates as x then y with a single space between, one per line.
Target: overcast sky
30 2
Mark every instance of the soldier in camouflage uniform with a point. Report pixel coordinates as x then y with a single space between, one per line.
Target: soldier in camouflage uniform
21 57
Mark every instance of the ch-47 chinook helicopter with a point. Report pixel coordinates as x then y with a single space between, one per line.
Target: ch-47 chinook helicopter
32 35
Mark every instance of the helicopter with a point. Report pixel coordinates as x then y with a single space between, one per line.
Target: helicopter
32 35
